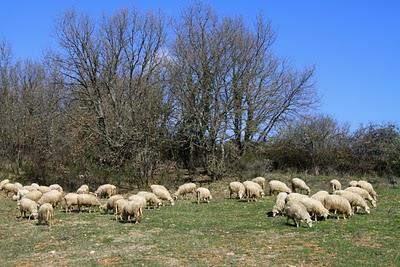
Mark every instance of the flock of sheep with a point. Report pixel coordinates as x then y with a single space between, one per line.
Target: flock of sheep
39 201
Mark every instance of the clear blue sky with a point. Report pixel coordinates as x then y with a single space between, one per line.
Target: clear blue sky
355 45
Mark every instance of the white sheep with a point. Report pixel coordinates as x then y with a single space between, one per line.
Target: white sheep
110 204
151 198
368 187
35 185
70 200
335 185
279 203
260 180
363 193
45 214
315 208
353 183
203 194
295 196
20 194
154 186
139 199
236 188
119 208
34 195
355 200
106 190
298 183
163 194
29 187
185 189
320 196
253 191
338 204
56 187
132 209
88 200
44 189
53 197
27 205
10 188
83 189
276 186
296 211
3 182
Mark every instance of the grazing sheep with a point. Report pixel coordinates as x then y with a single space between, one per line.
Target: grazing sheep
10 188
296 211
27 205
298 183
163 194
151 199
29 187
34 195
70 199
253 190
320 196
132 209
363 193
355 200
119 208
18 185
236 188
3 182
56 187
53 197
353 183
261 181
83 189
203 194
279 203
139 199
335 185
154 186
276 186
295 196
110 204
20 194
338 204
315 208
44 189
106 190
45 214
35 185
183 190
88 200
368 187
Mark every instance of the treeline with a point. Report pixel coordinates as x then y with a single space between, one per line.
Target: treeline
129 94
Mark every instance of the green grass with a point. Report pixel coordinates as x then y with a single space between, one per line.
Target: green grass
223 232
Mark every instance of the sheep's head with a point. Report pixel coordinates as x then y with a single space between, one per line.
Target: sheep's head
373 203
367 210
309 222
172 202
275 212
308 191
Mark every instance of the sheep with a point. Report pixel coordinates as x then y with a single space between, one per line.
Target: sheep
253 190
132 208
363 193
320 195
34 195
315 207
119 208
53 197
338 204
237 188
276 186
260 180
298 183
18 185
10 188
88 200
203 194
45 214
279 203
110 204
295 196
106 190
139 199
20 194
154 186
353 183
187 188
368 187
70 199
29 187
83 189
355 200
35 185
151 199
27 205
44 189
335 185
296 211
3 182
56 187
163 194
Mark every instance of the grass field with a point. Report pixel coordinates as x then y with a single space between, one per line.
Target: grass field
224 232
